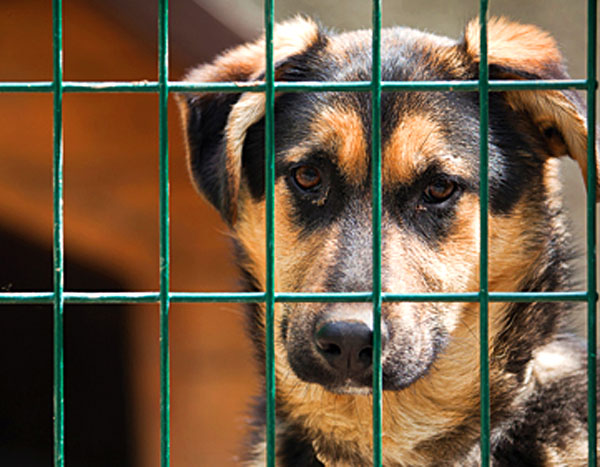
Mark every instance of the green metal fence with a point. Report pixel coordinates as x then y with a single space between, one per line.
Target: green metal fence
164 296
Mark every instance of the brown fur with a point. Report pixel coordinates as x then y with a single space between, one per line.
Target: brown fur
415 142
323 239
515 45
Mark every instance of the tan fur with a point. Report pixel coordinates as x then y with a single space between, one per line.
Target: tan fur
342 129
248 61
551 360
576 456
297 266
337 132
512 244
348 416
529 49
425 415
246 112
413 146
453 384
514 45
550 109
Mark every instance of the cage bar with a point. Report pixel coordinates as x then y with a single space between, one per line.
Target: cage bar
259 297
591 230
290 86
376 222
270 231
58 235
484 400
163 135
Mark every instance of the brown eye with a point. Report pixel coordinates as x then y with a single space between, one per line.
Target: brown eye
439 191
307 177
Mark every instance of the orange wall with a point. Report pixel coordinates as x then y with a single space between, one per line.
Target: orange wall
111 219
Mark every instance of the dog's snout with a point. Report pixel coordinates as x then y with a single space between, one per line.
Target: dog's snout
347 345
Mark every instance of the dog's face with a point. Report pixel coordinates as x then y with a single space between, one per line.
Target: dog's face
430 203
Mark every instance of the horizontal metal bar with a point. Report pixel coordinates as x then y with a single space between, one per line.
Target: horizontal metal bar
494 85
217 297
431 297
82 86
31 298
304 86
258 297
111 86
112 298
509 297
351 297
42 298
241 86
39 86
528 297
544 84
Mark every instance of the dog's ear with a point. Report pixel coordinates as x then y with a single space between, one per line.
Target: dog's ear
215 124
517 51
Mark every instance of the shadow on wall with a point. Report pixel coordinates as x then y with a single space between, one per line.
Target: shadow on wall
97 391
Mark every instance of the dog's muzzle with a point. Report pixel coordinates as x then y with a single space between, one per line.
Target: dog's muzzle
346 345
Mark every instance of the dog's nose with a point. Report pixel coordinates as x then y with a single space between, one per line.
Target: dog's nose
347 345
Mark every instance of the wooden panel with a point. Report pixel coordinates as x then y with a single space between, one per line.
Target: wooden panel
111 218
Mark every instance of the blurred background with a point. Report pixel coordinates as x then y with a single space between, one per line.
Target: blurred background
111 224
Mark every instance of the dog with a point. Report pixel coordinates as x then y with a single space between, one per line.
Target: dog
430 243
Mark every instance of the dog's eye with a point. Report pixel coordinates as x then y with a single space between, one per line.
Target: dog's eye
307 177
439 191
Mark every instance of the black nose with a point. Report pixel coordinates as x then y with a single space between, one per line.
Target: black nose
346 345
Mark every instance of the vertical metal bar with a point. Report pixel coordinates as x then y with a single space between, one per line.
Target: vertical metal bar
483 258
163 97
58 236
270 229
591 228
376 219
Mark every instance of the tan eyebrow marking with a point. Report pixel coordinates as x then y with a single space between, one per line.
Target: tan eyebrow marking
341 130
413 144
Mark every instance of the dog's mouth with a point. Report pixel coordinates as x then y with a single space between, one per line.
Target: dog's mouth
350 387
398 372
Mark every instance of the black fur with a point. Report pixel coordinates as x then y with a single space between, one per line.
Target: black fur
206 120
532 417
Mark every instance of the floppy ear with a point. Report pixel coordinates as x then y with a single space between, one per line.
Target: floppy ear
215 124
517 51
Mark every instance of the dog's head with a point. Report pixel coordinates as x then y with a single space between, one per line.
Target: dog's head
430 224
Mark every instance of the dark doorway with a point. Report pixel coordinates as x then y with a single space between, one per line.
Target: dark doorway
98 428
